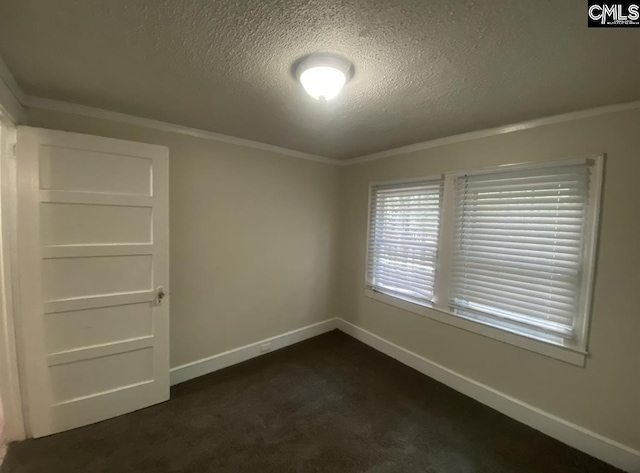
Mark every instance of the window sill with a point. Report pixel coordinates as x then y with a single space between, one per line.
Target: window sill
562 353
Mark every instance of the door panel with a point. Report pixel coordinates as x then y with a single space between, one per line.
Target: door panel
83 328
78 224
86 377
67 278
83 170
93 248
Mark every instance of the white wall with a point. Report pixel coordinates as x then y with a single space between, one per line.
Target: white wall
253 237
604 396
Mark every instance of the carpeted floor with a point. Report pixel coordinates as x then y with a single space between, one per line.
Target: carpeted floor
330 404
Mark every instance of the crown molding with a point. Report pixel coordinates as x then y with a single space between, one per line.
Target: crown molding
11 95
86 111
474 135
83 110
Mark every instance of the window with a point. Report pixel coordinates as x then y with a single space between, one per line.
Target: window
403 239
519 248
510 248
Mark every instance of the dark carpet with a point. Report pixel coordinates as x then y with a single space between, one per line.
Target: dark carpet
329 404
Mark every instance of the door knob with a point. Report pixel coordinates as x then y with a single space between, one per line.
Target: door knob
160 294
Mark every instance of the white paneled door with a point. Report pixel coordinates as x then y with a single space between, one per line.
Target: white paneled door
93 254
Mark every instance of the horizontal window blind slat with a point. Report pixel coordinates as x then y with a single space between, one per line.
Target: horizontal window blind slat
422 300
541 254
514 306
407 223
508 320
387 251
543 247
383 223
418 278
552 168
538 288
534 175
390 212
426 264
531 220
509 226
536 208
499 233
426 259
414 289
398 245
532 238
425 269
562 261
399 206
574 187
412 239
429 202
544 177
537 195
523 211
402 277
520 305
422 207
524 276
380 249
486 189
384 254
537 295
427 232
534 322
428 198
403 225
404 219
488 261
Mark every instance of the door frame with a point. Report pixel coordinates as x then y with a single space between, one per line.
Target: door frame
10 387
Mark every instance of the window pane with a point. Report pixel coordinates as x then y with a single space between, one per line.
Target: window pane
403 239
518 252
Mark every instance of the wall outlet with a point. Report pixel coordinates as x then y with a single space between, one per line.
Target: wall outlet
265 347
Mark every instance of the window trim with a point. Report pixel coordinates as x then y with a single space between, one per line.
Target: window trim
440 311
439 178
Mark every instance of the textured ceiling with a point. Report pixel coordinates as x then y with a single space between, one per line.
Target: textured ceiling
423 69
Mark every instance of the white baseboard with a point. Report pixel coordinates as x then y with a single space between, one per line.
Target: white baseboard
607 450
188 371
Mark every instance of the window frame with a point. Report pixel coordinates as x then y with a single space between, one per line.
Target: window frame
438 178
440 311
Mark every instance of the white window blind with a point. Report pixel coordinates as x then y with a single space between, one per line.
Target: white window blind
519 245
403 239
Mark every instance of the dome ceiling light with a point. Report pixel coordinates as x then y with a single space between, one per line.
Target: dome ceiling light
323 75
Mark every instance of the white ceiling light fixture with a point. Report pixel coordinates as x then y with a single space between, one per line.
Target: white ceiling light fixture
323 75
